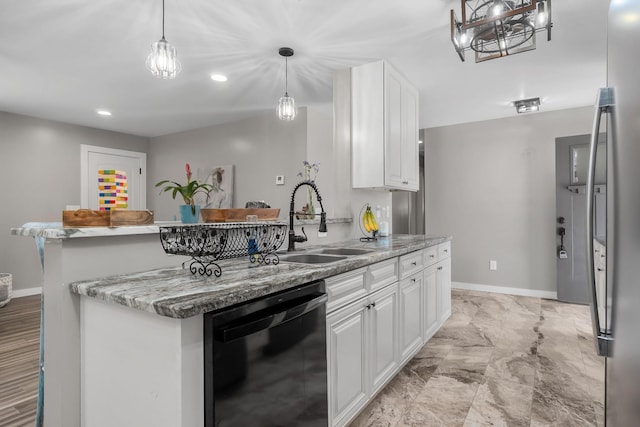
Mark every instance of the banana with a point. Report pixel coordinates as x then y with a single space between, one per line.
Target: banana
374 222
365 220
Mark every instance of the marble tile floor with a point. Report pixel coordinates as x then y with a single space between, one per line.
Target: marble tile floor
499 360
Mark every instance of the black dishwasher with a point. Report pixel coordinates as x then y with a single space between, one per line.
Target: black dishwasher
265 361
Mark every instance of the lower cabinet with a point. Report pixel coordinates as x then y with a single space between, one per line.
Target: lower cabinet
443 279
378 318
430 301
347 331
362 351
411 315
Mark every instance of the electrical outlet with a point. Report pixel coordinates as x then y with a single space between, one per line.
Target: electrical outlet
493 265
279 179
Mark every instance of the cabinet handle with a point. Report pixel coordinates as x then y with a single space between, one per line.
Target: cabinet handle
446 251
439 268
414 263
432 256
369 307
405 182
600 269
373 304
413 280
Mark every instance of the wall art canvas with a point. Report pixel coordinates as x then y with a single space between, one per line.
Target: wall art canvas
221 177
112 190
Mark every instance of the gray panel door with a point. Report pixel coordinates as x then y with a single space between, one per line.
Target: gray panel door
572 158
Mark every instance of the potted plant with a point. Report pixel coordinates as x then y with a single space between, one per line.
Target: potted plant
189 212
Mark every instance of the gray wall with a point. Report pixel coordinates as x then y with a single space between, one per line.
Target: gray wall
260 147
40 174
491 185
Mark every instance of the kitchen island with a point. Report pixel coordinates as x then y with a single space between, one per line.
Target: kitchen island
142 333
128 348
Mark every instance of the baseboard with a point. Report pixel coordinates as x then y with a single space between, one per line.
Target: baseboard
505 290
17 293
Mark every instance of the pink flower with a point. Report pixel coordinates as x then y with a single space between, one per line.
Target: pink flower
188 169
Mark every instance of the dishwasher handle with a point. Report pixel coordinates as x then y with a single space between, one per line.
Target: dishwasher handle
272 317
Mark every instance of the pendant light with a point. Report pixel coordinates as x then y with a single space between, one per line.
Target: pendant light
286 105
163 59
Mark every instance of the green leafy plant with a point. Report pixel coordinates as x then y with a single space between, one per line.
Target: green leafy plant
187 191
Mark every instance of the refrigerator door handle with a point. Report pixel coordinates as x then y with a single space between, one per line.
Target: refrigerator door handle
604 105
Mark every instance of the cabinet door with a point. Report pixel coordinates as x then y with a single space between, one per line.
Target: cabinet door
393 129
410 315
430 291
383 317
443 276
346 364
410 149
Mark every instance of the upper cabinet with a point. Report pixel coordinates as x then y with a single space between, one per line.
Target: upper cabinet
384 128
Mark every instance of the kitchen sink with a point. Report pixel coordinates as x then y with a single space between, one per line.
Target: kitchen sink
344 251
311 258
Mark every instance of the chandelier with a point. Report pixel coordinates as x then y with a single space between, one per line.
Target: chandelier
497 28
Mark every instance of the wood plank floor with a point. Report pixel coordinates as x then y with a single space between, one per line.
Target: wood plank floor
19 350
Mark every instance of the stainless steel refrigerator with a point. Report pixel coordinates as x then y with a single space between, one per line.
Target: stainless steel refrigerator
614 271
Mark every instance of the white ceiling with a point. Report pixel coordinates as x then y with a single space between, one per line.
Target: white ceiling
63 59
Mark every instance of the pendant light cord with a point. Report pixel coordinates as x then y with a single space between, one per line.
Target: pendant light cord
162 19
286 75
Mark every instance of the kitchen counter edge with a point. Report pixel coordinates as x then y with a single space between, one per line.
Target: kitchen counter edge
176 293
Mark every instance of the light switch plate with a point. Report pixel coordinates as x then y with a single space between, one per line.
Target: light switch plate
279 179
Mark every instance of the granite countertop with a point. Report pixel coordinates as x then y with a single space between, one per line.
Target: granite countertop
175 292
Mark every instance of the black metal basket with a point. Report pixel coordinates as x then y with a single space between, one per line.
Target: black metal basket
208 243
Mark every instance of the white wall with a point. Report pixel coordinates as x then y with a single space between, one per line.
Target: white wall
40 174
491 185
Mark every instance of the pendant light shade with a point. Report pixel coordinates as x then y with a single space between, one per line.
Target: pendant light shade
163 59
286 105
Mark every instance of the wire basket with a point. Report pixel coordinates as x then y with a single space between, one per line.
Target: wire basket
208 243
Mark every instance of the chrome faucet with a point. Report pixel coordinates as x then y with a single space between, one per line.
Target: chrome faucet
293 238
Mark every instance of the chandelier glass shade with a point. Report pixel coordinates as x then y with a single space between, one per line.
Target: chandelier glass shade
497 28
287 105
163 59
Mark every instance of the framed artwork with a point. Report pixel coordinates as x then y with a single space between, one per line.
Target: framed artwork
221 178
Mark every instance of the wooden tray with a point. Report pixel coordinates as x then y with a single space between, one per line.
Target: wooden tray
239 214
126 217
116 218
86 218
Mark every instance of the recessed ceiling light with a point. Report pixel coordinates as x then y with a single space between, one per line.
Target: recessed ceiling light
103 112
218 77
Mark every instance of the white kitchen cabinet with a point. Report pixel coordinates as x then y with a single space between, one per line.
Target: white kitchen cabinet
443 279
430 300
411 308
376 323
383 330
384 128
347 336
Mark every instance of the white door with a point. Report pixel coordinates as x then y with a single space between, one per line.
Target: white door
95 158
384 335
347 351
430 302
410 315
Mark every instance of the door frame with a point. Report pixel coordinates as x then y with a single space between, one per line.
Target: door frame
84 170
